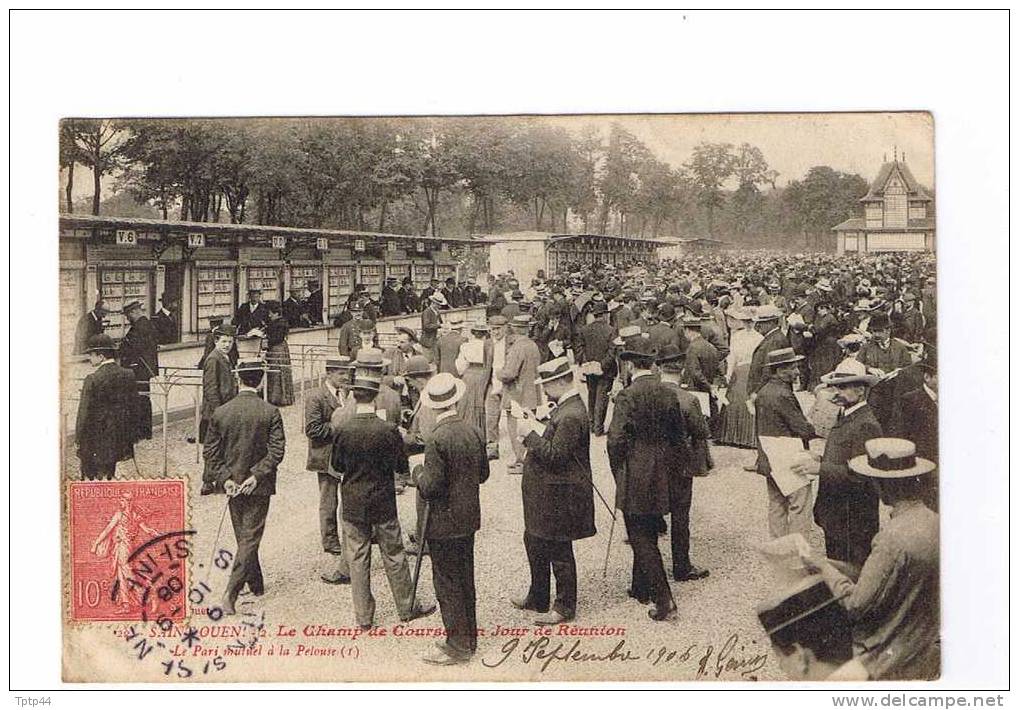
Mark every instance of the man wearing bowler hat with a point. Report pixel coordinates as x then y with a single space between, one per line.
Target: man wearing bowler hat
455 465
251 315
368 453
846 506
645 442
558 495
139 352
695 462
102 430
916 419
594 352
312 312
389 301
779 415
319 405
244 446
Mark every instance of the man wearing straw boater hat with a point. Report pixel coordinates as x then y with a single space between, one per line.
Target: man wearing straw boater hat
644 443
894 605
319 405
368 454
430 318
779 415
102 430
846 506
594 350
244 446
558 495
455 466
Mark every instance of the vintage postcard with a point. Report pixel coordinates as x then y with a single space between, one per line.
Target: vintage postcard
500 398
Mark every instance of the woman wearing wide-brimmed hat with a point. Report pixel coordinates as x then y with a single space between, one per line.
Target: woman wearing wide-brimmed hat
895 603
736 426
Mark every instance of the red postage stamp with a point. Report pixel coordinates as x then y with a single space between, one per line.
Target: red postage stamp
129 550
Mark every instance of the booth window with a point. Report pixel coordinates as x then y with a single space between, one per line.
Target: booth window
341 283
118 288
215 295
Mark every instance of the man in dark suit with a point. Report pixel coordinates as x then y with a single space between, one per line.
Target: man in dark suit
451 293
215 322
430 321
218 383
916 419
645 442
766 322
252 314
408 299
389 302
244 446
558 495
88 325
701 361
313 304
164 323
368 453
696 461
455 466
846 506
594 345
779 415
293 308
139 353
102 431
664 332
319 405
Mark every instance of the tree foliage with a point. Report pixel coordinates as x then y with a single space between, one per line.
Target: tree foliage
449 176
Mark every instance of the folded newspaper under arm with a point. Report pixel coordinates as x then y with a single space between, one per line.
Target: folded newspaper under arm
783 453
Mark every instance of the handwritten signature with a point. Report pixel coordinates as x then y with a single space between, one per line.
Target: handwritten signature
732 657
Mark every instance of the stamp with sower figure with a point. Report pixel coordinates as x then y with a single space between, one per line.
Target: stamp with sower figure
129 551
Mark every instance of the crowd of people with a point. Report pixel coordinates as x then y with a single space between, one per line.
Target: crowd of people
665 361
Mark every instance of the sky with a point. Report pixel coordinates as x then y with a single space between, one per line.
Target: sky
791 143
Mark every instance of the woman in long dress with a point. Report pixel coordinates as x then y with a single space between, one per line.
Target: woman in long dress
737 423
474 365
280 378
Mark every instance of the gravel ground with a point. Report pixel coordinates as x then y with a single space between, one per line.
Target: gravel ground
715 637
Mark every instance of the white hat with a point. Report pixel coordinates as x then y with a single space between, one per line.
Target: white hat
849 372
890 458
437 297
443 391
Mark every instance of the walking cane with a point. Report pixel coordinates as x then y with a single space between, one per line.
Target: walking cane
421 553
135 462
215 542
605 567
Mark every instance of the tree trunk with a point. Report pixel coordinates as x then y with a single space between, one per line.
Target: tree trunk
96 185
70 188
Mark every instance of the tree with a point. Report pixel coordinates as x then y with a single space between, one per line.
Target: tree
69 155
821 200
100 145
711 165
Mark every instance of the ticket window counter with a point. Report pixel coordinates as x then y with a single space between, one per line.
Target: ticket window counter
370 274
398 270
422 272
215 295
339 287
301 275
119 286
265 278
445 270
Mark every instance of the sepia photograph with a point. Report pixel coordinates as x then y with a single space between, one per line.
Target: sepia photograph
509 350
606 397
